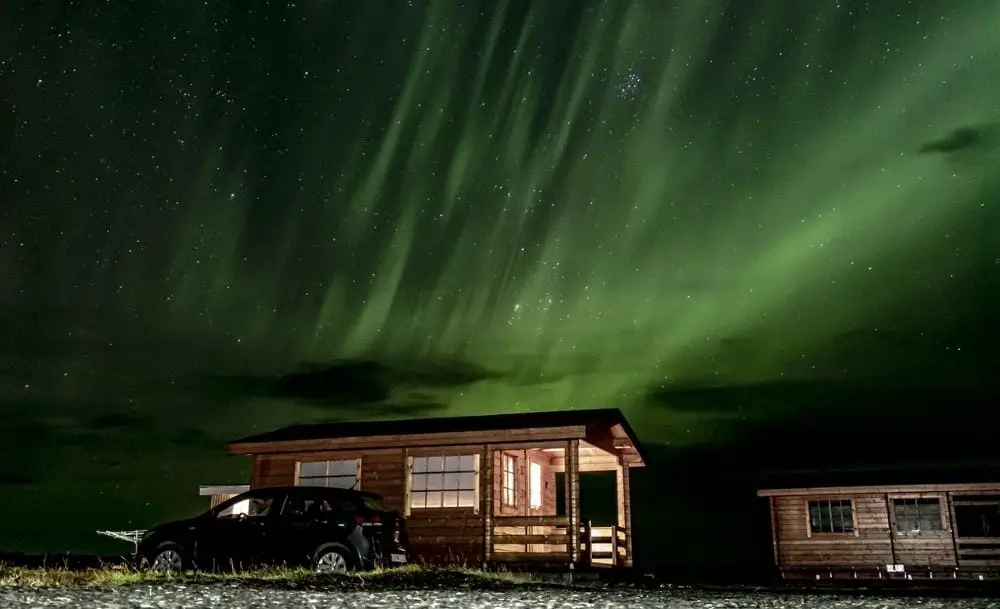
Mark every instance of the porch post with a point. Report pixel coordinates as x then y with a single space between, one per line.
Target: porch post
624 508
573 498
486 500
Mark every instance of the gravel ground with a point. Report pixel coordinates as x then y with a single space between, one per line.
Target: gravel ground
233 597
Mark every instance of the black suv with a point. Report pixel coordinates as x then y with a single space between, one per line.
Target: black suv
331 530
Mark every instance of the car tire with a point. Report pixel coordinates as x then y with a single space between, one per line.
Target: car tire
168 558
332 558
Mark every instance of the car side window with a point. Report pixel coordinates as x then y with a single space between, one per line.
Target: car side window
252 506
297 507
316 507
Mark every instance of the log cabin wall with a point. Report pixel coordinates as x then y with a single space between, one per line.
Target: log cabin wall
868 544
874 541
273 470
447 535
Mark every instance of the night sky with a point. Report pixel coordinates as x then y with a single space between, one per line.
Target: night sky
767 231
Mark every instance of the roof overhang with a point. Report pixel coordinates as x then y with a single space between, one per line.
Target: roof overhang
224 489
978 487
510 436
606 429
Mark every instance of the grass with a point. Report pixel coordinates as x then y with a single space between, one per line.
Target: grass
412 576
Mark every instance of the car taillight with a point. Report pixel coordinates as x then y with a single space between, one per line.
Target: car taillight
362 520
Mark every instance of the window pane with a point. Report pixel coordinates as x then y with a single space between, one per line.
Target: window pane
435 464
417 500
433 499
836 519
930 522
451 464
312 468
343 482
814 516
466 498
467 481
467 463
825 518
846 518
449 498
419 464
535 486
434 481
451 481
419 482
347 467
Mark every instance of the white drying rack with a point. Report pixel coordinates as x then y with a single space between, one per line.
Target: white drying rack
132 537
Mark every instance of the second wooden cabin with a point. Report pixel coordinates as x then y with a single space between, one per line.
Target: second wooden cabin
885 525
473 489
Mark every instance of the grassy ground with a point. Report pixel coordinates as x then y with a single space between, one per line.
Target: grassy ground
410 576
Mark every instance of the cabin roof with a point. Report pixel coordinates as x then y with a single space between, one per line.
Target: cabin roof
788 481
591 418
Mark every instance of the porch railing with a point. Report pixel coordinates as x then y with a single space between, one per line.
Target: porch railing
546 539
603 545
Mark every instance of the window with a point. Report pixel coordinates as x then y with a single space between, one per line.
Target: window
831 516
444 482
917 515
509 478
334 474
535 485
977 515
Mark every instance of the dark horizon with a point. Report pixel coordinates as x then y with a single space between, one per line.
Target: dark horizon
769 235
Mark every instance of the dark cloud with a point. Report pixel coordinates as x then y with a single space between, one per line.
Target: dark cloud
403 388
112 421
975 137
14 480
828 424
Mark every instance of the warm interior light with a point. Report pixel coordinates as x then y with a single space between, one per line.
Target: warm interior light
535 485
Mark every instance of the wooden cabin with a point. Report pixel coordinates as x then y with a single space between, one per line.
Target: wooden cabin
474 489
892 529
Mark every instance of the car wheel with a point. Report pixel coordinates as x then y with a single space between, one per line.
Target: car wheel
168 558
331 559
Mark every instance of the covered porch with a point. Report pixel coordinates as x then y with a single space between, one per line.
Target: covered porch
544 531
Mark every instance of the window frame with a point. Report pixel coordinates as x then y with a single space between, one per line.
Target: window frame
357 473
915 499
508 488
829 501
411 473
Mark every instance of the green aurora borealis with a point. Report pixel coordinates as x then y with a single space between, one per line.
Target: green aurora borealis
573 203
